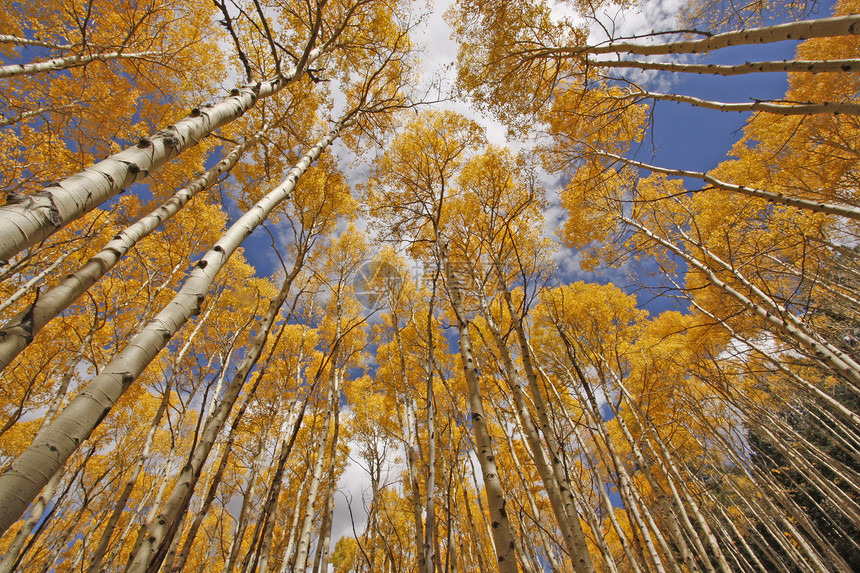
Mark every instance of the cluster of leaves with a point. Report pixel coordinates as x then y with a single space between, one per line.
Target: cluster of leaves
164 408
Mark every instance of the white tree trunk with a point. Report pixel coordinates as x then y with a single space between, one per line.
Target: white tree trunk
809 108
20 330
34 217
14 550
811 66
29 473
821 28
808 204
502 534
303 549
772 313
55 64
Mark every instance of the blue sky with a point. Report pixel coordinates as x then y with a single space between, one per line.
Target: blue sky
682 137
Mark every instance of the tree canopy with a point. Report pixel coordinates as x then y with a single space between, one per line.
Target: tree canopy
270 303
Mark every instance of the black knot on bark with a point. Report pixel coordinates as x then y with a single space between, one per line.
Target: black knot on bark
15 197
202 263
195 112
127 378
144 142
200 299
234 92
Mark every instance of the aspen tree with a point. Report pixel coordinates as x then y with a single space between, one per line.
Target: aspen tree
497 209
515 58
138 354
421 204
390 281
21 329
332 27
718 437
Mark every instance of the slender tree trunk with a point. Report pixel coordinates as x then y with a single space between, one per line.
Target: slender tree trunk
501 529
475 538
271 508
26 476
170 556
13 119
119 507
332 402
72 62
811 66
411 445
772 313
13 552
574 546
324 543
821 28
17 551
780 198
547 548
37 216
28 286
219 472
632 503
580 556
760 106
431 556
21 329
156 503
150 555
244 513
294 526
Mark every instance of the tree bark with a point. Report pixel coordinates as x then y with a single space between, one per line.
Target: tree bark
811 66
782 199
502 535
56 64
821 28
21 482
19 331
32 220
